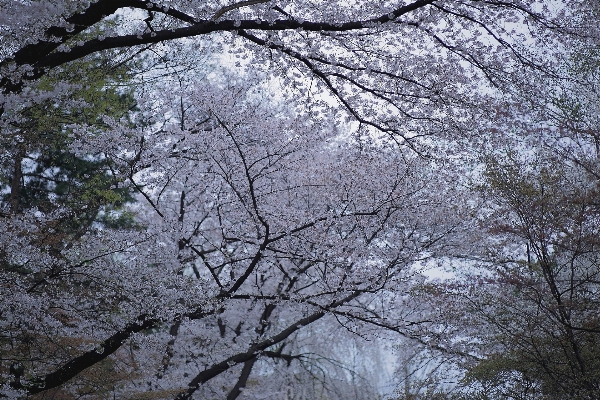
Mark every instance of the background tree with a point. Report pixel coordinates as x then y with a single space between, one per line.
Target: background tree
544 302
530 292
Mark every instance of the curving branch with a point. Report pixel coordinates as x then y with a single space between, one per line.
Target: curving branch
87 359
42 56
104 349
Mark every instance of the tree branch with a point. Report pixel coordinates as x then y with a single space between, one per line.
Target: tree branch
107 347
237 5
87 359
42 55
255 350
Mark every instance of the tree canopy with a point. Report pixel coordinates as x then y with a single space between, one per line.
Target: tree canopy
211 199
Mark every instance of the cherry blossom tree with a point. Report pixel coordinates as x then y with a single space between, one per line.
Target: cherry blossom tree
384 62
245 234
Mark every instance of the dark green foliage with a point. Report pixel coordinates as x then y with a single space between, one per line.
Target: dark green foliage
52 176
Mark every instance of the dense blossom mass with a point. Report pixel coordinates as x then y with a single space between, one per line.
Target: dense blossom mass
300 200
